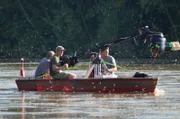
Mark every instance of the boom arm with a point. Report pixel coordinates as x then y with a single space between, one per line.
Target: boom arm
157 45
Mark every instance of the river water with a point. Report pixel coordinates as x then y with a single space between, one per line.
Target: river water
163 104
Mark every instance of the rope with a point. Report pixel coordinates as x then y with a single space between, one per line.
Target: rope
153 59
111 64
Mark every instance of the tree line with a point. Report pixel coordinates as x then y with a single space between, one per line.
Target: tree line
29 28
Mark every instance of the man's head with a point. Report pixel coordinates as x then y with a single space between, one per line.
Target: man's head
104 51
60 50
50 54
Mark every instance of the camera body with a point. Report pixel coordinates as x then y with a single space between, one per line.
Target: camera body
70 60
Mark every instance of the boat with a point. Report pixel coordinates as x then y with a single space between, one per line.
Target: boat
97 84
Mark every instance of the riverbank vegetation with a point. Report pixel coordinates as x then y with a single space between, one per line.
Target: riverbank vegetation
30 28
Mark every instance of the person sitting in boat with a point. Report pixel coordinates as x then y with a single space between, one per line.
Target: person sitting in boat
56 71
42 70
108 61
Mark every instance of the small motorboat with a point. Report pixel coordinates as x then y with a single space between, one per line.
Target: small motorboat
99 85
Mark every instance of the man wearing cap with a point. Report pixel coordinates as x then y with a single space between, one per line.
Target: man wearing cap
43 67
56 71
108 61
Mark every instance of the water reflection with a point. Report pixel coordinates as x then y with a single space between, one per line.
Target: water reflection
23 110
70 105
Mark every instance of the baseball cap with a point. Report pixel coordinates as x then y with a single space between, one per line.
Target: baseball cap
60 48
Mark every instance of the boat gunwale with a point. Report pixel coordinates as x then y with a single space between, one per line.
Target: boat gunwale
90 79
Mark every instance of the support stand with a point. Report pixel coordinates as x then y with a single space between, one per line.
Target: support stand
95 68
97 65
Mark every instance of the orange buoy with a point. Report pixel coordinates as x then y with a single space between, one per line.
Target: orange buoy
22 73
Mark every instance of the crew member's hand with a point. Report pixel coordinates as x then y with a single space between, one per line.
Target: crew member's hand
65 65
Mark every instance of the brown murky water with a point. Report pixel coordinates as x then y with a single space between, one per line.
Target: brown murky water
164 104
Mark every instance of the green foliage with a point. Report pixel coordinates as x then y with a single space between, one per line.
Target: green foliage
31 28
